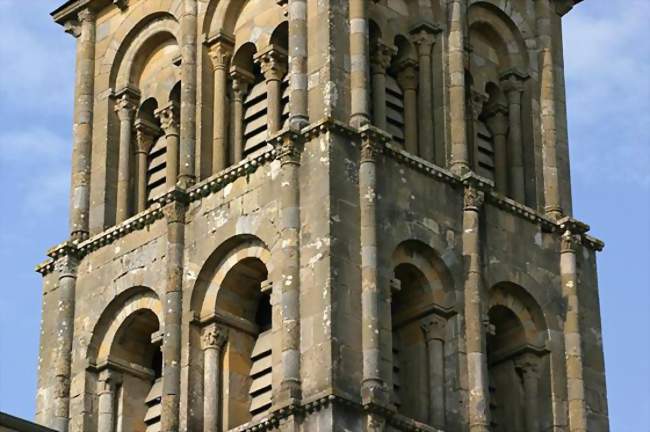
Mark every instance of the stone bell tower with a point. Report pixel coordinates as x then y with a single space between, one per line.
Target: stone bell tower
320 215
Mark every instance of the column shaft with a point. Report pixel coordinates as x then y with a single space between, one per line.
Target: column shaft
499 128
67 269
145 135
298 63
513 88
474 305
289 155
171 348
457 90
272 62
240 83
572 334
125 109
188 21
83 126
213 339
106 402
220 54
423 39
434 333
169 123
408 81
380 61
531 394
359 63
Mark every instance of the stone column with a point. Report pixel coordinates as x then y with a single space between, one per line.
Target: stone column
145 134
66 266
84 31
220 53
478 100
434 334
553 206
513 87
241 81
188 22
423 38
272 62
474 309
359 63
408 81
173 299
527 365
498 125
373 385
125 107
168 117
289 149
213 340
297 11
570 242
457 90
108 381
379 62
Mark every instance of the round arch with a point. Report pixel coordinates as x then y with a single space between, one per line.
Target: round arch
231 252
120 309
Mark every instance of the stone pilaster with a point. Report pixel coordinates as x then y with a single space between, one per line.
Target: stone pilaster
174 213
374 392
474 307
423 37
241 81
106 400
528 366
188 42
297 14
512 83
407 78
379 62
433 328
84 30
273 63
220 52
498 124
125 107
570 243
457 87
169 122
289 146
213 340
359 63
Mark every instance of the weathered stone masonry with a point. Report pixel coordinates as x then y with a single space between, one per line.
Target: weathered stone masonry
320 215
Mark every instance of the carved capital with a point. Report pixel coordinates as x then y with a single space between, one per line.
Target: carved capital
433 327
569 241
174 212
497 118
288 147
382 54
407 75
146 133
220 52
423 37
373 141
62 387
169 118
512 82
213 337
272 62
241 81
473 198
528 365
478 100
126 103
66 265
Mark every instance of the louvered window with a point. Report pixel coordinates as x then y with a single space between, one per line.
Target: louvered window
395 110
255 115
156 169
260 391
154 408
484 151
396 378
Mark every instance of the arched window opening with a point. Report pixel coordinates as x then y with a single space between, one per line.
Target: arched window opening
136 354
244 295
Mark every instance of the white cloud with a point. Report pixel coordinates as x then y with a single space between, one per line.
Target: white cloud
607 69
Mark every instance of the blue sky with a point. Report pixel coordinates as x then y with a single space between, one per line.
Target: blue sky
607 67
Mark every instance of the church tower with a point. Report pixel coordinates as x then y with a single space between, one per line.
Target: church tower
320 215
